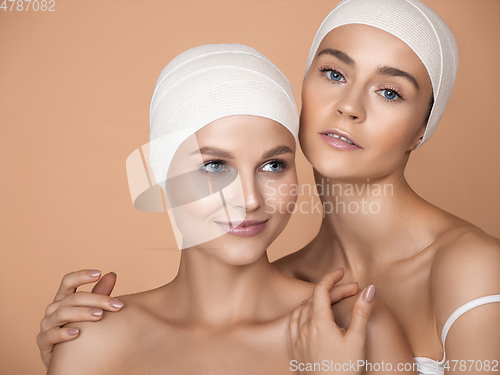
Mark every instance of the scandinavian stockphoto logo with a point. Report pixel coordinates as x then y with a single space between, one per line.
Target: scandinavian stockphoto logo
361 198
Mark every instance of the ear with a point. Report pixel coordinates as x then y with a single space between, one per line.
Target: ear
417 138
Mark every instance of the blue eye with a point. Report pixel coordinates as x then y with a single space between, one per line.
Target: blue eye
274 166
390 94
214 167
334 75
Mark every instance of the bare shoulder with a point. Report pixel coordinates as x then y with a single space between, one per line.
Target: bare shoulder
466 266
101 346
466 253
299 264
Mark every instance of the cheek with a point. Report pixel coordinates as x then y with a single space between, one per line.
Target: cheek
191 219
399 124
390 138
311 104
311 114
280 194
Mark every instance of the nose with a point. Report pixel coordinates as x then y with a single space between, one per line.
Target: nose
252 196
350 104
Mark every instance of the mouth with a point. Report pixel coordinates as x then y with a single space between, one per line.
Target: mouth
247 228
339 140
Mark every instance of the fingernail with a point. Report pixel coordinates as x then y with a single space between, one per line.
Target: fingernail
73 331
96 312
114 273
94 273
116 304
303 302
369 293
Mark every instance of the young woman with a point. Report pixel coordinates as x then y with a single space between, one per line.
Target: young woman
223 135
379 76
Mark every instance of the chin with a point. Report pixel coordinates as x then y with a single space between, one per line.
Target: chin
336 165
242 255
336 168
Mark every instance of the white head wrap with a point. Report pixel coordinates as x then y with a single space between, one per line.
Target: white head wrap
415 24
209 82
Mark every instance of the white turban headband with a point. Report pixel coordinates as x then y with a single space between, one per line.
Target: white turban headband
415 24
209 82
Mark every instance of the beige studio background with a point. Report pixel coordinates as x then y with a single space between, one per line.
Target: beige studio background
75 89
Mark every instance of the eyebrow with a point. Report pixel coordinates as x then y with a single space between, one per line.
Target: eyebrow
214 151
385 70
390 71
342 56
279 150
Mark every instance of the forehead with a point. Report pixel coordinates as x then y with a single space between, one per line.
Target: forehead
370 46
244 132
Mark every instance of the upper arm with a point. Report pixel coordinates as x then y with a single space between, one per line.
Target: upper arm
468 269
91 353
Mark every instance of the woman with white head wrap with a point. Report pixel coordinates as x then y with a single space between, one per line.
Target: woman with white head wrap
378 78
376 227
222 144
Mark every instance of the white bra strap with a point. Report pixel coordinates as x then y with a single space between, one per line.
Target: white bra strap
463 309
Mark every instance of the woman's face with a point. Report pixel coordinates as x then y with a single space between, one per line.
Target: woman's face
368 87
231 186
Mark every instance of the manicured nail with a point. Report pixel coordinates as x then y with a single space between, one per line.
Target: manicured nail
303 302
116 304
96 312
94 273
73 331
369 293
114 273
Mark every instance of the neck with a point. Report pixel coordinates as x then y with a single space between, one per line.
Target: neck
211 292
368 222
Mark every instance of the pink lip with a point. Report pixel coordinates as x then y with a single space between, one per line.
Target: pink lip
246 228
338 143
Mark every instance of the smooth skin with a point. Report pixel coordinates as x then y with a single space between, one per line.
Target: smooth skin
72 306
424 261
229 310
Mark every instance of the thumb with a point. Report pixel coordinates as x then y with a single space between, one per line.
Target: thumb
361 312
105 285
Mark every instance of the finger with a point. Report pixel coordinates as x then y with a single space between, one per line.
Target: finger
73 280
331 278
321 293
85 299
67 314
293 327
305 313
361 313
106 284
46 340
339 292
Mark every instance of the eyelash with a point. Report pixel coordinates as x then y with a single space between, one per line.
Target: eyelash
325 69
400 95
282 163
